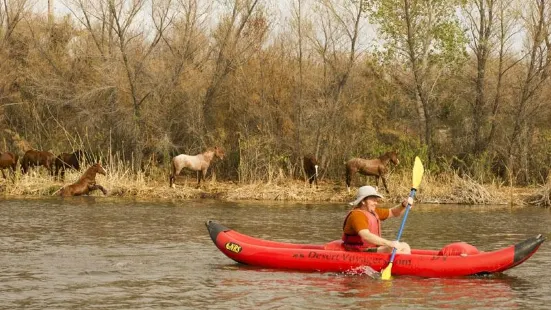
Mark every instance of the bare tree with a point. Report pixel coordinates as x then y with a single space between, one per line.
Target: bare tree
481 20
505 32
492 27
126 39
339 25
11 13
186 62
232 47
529 104
298 19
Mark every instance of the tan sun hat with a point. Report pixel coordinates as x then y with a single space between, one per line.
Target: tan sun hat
365 191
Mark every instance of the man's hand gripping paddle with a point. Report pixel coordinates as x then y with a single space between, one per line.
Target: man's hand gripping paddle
416 180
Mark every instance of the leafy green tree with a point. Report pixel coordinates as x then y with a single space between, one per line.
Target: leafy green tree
428 41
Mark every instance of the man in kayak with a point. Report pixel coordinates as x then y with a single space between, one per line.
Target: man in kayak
362 225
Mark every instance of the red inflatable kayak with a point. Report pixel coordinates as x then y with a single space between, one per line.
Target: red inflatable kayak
331 257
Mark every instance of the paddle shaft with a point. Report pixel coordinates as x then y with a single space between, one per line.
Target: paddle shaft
412 195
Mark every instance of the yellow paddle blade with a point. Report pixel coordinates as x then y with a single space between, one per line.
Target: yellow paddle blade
385 275
417 172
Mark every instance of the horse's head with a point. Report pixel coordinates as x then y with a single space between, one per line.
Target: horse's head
99 169
394 157
219 152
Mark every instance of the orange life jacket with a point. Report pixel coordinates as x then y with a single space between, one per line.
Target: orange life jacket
355 242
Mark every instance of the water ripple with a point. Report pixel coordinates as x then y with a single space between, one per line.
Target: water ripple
91 253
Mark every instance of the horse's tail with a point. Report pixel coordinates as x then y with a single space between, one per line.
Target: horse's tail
24 164
172 175
316 175
347 175
14 163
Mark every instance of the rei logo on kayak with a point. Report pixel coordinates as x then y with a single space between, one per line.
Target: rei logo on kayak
234 247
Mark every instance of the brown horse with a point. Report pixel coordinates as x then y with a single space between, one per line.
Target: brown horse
8 160
34 158
311 165
371 167
68 161
199 163
86 183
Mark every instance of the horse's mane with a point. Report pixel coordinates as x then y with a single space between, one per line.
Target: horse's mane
213 148
217 150
90 173
386 154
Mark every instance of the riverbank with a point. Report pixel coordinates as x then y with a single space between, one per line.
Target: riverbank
433 190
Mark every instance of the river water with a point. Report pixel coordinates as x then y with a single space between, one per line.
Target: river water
97 252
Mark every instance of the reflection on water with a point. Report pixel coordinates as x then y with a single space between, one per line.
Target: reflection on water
89 252
419 292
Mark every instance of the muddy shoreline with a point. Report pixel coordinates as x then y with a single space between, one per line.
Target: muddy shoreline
287 190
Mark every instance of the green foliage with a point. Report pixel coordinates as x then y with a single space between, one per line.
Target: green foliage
433 28
408 150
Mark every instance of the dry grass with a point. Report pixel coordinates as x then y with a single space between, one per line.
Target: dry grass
121 182
542 197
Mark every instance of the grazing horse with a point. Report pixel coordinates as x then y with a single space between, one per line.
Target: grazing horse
199 163
310 163
86 183
8 160
373 167
38 158
68 161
